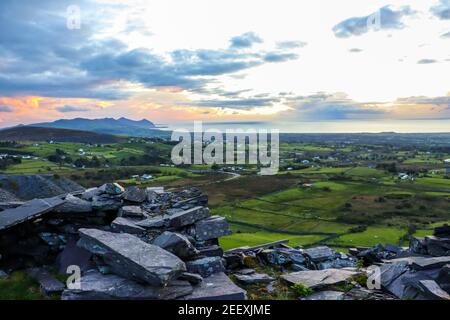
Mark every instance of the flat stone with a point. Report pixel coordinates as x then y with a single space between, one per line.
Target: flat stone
134 194
326 295
211 228
105 203
316 279
132 258
337 264
73 204
176 243
112 188
10 205
255 278
154 222
192 278
73 255
28 211
217 287
320 254
96 286
432 290
88 194
125 225
48 284
131 212
184 218
423 263
211 251
246 271
205 266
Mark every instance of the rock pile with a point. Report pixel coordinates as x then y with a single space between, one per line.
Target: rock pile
421 271
128 243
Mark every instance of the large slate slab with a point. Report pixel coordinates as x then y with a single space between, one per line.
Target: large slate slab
205 266
187 217
320 254
73 204
217 287
132 258
121 224
176 243
29 210
254 278
316 279
326 295
48 284
96 286
211 228
423 263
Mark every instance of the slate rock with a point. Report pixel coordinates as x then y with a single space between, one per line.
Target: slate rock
443 231
88 194
337 264
96 286
73 204
47 283
326 295
111 189
131 212
134 194
432 291
217 287
132 258
154 222
316 279
187 217
255 278
211 251
176 243
320 254
443 278
28 211
125 225
73 255
417 245
205 266
105 203
192 278
211 228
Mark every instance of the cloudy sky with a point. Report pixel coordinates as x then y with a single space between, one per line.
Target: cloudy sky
174 61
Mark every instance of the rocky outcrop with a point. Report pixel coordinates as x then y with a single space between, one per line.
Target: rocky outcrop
128 243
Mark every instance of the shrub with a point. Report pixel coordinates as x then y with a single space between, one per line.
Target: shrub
300 290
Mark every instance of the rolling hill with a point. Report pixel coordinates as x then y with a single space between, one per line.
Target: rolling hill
29 133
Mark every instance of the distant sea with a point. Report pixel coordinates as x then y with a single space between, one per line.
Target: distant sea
337 126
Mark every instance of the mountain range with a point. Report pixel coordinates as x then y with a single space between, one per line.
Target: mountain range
121 126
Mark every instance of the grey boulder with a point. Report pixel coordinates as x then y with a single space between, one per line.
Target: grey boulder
126 225
187 217
176 243
96 286
205 266
134 194
73 204
111 188
132 258
211 228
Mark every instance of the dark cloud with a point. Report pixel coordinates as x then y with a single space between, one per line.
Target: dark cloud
279 57
426 61
323 106
389 19
245 40
5 108
245 103
442 10
445 100
65 109
43 57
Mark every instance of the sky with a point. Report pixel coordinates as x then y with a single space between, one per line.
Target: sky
176 61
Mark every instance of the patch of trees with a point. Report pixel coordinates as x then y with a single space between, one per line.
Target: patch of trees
60 157
9 161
